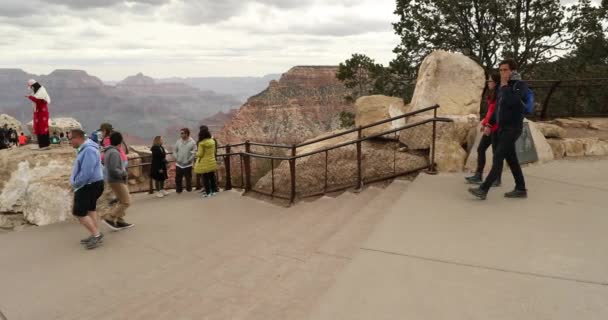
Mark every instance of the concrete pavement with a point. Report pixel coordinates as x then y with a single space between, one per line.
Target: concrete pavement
440 254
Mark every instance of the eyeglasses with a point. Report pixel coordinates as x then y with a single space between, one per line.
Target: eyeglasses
182 133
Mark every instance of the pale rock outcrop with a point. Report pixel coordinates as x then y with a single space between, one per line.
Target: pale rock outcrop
11 122
572 123
551 130
371 109
59 125
558 147
599 148
590 146
450 156
456 83
377 161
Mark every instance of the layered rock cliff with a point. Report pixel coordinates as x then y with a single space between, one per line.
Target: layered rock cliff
306 102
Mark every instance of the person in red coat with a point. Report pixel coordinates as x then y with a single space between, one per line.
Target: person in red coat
489 133
41 101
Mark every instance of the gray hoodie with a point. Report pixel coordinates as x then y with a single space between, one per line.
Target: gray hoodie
184 152
113 164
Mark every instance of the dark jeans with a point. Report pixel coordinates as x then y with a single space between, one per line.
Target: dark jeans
181 173
159 184
505 150
484 144
43 140
210 182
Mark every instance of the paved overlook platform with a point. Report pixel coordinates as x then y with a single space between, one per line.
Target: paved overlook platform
421 250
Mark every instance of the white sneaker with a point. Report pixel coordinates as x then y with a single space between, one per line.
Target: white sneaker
164 192
159 194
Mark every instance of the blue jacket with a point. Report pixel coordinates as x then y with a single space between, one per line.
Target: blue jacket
87 167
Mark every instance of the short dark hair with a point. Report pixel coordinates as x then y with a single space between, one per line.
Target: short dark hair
61 135
186 130
115 138
510 62
77 133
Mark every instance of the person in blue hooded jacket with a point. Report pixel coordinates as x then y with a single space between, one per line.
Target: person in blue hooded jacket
87 181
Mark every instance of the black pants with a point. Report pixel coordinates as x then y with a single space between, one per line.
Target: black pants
181 173
159 184
505 150
484 144
210 182
43 140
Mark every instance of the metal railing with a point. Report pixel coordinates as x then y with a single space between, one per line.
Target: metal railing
243 179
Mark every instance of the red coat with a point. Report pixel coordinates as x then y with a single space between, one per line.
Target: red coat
491 109
41 116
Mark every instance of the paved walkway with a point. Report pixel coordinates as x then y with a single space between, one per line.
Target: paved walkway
440 254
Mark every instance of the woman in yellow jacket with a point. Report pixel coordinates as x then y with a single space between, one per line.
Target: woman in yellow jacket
206 164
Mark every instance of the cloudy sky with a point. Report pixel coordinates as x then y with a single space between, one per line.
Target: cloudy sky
114 38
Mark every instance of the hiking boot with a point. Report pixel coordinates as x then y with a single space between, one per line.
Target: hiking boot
123 225
474 179
479 193
94 242
88 239
517 194
496 183
113 225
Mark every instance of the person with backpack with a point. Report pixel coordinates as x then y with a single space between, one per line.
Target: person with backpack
509 116
117 179
206 164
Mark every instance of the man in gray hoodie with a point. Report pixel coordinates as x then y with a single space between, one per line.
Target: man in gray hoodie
117 179
184 152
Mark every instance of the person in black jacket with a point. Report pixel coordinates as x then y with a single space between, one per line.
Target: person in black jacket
509 116
158 167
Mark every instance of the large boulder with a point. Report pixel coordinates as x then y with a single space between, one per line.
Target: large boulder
452 80
543 148
558 147
421 137
379 159
572 123
11 122
371 109
59 125
599 148
450 156
35 185
551 130
590 146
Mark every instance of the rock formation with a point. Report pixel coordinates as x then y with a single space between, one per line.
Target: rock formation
11 122
59 125
304 103
371 109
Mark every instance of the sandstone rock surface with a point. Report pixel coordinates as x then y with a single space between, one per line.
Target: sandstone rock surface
59 125
420 137
303 104
371 109
450 156
551 130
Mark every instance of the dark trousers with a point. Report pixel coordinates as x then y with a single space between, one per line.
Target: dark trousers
505 150
210 182
159 184
181 173
43 140
484 144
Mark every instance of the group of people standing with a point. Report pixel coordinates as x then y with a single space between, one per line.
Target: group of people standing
501 127
10 138
191 158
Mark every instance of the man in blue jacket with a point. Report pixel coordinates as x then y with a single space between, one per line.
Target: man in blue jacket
509 116
87 181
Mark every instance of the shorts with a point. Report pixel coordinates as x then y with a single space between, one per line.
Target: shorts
85 198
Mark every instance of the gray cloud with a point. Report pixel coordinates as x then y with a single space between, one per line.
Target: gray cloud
90 4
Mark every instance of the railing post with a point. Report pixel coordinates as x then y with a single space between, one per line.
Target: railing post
359 159
432 168
247 166
543 113
228 168
292 170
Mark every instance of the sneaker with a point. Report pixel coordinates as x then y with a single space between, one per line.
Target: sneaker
517 194
206 195
94 242
124 225
496 184
165 192
474 179
479 193
90 238
113 225
159 194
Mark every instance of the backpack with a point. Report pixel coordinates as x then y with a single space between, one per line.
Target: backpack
528 101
